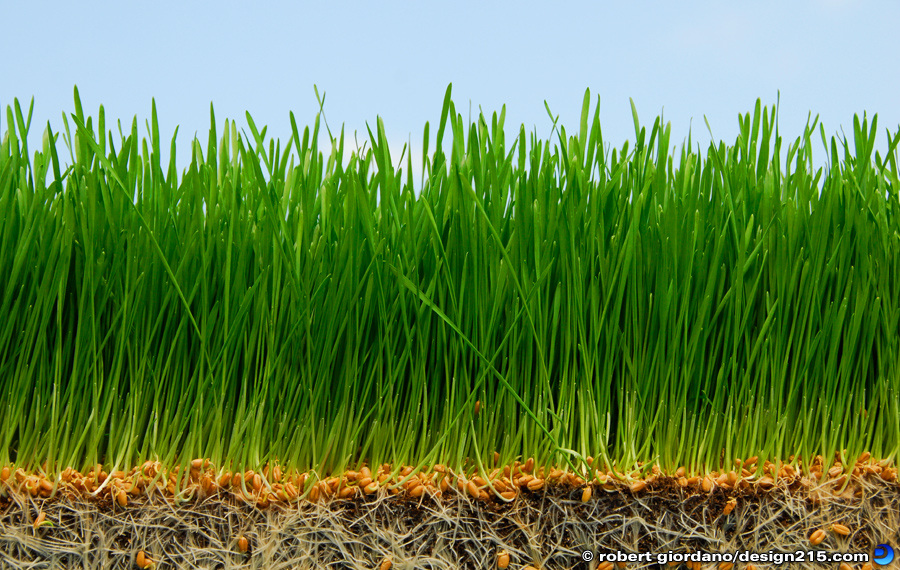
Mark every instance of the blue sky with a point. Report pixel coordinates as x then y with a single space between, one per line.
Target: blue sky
395 59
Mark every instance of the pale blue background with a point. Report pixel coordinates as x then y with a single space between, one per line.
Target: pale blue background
394 59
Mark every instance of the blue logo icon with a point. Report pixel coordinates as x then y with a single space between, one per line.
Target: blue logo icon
883 555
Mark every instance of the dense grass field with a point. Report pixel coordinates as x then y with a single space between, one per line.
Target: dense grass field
555 320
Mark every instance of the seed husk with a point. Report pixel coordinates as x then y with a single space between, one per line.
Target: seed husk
840 529
472 489
243 544
535 484
39 519
586 495
417 491
121 498
529 465
729 506
503 560
638 486
817 537
386 564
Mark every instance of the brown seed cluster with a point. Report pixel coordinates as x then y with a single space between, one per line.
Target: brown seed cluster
272 485
747 473
818 536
